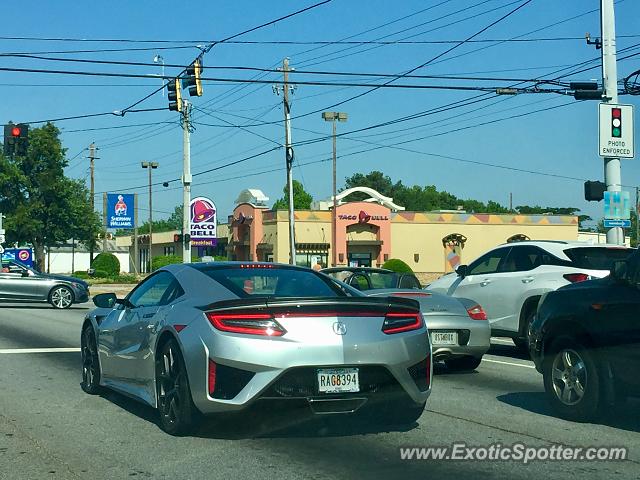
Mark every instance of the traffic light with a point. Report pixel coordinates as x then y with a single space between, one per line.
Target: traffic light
175 95
193 79
179 238
16 139
616 122
594 191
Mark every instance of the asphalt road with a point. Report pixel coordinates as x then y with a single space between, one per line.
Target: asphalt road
49 428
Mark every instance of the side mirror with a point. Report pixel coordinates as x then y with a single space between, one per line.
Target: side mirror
24 273
105 300
461 270
619 270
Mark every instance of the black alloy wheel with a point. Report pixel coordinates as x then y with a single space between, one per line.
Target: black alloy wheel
175 404
90 363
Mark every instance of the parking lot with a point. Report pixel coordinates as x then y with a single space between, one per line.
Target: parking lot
50 429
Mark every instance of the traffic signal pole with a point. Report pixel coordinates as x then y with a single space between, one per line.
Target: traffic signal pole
186 181
612 173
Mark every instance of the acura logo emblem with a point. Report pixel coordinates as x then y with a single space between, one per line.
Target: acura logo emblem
339 328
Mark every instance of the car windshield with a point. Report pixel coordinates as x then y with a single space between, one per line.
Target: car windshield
273 282
596 258
383 279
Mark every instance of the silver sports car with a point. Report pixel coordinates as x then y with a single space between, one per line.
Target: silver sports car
209 338
458 327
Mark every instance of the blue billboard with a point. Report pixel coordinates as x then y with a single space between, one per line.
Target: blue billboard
120 212
23 255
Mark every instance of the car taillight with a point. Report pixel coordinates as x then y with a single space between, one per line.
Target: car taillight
401 322
248 323
212 377
477 313
576 277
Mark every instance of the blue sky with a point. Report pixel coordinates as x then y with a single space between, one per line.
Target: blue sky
560 141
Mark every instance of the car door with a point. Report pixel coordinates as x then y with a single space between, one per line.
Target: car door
483 283
620 317
517 280
122 331
156 303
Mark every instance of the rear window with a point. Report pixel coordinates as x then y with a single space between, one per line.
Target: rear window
383 280
596 258
273 282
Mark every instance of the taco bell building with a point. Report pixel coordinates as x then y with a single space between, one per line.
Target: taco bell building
372 231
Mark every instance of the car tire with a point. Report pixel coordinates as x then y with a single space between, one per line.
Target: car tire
400 413
461 364
573 382
522 343
178 414
90 362
61 297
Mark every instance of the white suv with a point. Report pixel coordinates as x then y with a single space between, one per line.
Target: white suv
509 280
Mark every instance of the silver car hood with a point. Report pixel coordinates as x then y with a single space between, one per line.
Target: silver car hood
431 303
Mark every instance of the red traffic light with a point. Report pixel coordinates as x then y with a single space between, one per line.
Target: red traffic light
616 112
15 131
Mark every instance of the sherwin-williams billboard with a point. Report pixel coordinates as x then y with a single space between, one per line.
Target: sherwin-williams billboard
120 210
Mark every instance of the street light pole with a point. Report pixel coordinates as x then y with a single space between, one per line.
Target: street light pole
333 117
150 166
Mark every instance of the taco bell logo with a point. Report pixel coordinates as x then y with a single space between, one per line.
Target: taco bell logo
203 222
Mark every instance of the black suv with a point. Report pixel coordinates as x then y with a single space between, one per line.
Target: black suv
585 340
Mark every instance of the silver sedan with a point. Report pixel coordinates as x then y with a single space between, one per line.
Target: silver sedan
458 327
210 338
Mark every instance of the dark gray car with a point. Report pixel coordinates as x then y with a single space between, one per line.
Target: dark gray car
19 282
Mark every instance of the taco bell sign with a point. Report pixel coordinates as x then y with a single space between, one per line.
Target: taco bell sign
203 222
120 210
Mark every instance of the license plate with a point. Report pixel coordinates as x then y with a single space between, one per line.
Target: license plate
338 380
444 338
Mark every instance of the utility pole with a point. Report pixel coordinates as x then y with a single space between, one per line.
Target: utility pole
136 251
150 166
288 157
92 159
612 174
186 181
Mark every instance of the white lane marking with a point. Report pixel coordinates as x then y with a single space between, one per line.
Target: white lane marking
508 363
38 350
502 341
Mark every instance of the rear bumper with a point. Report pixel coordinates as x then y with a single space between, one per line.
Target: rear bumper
474 336
277 369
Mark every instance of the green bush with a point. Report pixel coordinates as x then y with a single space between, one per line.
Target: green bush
125 278
164 260
81 275
100 274
107 262
397 265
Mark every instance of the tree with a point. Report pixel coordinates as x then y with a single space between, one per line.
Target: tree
301 199
42 205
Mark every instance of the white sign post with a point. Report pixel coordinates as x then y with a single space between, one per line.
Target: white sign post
616 131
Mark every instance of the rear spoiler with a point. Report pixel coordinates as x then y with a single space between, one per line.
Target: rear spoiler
318 304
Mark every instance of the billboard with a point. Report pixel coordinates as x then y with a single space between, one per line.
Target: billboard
120 212
203 222
23 255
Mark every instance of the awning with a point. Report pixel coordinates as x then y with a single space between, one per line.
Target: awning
264 247
312 247
365 243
